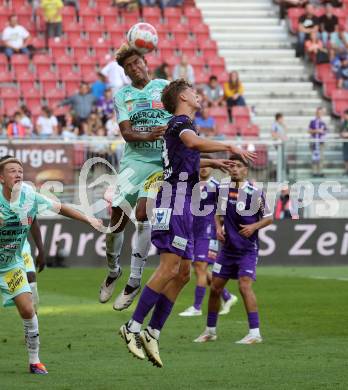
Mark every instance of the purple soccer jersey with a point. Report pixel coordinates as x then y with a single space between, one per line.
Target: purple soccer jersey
172 230
204 226
244 206
239 255
180 162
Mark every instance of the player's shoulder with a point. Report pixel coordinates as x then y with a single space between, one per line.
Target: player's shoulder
180 122
250 188
160 82
213 182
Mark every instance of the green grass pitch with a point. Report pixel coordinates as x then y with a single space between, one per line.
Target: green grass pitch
304 322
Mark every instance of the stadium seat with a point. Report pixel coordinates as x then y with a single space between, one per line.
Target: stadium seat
201 31
193 15
88 67
116 30
172 15
89 77
248 130
48 79
94 30
153 61
73 30
10 106
32 96
64 63
89 15
321 70
222 77
241 112
54 96
68 15
180 32
20 62
339 107
218 112
228 129
216 64
208 47
293 15
71 88
42 62
6 76
167 48
261 161
189 48
151 15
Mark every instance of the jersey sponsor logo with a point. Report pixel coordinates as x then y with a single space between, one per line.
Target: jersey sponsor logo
157 105
214 245
240 206
153 182
179 243
161 218
142 105
217 268
15 280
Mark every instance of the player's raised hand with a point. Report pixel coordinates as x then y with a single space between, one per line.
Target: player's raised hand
157 132
247 230
40 261
222 164
246 156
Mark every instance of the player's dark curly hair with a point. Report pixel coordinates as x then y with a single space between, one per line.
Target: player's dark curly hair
171 93
125 52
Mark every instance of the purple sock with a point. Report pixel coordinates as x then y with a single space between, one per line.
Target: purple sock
161 312
147 301
225 295
199 295
212 319
253 319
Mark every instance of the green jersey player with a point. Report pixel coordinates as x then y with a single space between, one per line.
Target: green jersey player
142 121
19 205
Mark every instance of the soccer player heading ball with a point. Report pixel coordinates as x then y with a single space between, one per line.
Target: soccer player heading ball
172 229
19 205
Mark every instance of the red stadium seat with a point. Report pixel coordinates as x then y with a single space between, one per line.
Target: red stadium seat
153 61
10 92
95 31
321 70
218 112
209 48
108 10
181 32
20 62
261 161
151 15
71 88
249 130
89 15
89 77
328 87
32 96
6 76
339 94
88 67
228 129
222 77
189 48
42 62
201 31
117 30
240 112
294 15
10 105
64 63
339 107
73 30
48 79
173 14
68 15
193 15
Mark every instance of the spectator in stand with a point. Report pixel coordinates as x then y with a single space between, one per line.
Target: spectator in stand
69 130
161 3
339 41
15 129
26 119
233 92
283 207
81 103
162 72
202 98
342 74
15 39
344 135
115 76
47 123
52 12
105 105
214 92
308 23
99 86
337 61
112 127
92 124
284 5
184 70
317 130
279 128
315 50
328 24
205 123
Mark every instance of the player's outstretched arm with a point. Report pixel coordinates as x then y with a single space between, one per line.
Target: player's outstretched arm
219 163
129 135
36 234
193 141
69 212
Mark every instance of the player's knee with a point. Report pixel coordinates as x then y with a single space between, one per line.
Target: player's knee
184 276
245 286
215 290
27 311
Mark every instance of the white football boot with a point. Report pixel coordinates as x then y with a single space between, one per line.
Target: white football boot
191 312
226 306
108 286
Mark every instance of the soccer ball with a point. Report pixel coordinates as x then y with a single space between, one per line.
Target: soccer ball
143 37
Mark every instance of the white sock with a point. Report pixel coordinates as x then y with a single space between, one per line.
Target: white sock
114 242
255 332
134 326
141 250
31 331
211 330
154 332
35 295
